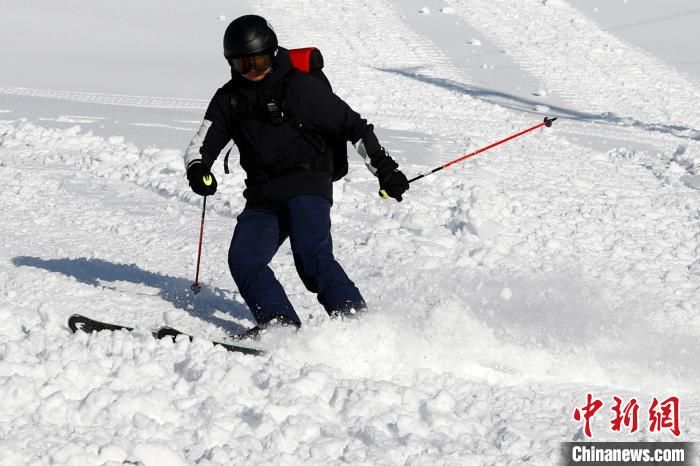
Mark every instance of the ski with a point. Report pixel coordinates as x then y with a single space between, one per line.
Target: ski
230 346
85 324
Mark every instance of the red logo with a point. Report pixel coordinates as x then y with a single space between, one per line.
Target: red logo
627 416
592 407
663 415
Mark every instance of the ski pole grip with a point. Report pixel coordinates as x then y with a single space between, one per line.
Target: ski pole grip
548 121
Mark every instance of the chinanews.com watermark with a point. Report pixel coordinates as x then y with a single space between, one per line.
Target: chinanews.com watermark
629 453
652 417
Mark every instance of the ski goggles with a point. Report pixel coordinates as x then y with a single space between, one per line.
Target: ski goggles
257 63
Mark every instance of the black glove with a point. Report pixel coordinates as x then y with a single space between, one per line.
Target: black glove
391 180
202 180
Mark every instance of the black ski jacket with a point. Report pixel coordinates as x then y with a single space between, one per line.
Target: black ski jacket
279 160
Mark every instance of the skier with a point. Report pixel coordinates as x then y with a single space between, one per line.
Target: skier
288 182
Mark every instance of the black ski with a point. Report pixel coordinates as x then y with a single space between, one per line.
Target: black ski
85 324
234 347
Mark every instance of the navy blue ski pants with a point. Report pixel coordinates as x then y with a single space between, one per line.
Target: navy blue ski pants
305 220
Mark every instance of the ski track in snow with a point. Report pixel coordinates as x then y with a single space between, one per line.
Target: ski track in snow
601 75
571 270
109 99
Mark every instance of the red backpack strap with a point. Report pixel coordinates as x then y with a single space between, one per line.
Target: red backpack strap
306 59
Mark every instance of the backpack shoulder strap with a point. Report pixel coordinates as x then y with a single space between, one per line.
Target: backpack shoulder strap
314 139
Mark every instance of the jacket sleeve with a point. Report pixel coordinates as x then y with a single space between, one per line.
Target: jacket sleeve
328 113
211 137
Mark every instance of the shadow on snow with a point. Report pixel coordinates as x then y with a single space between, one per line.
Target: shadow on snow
524 104
172 289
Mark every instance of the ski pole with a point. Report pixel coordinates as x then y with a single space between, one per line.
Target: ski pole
547 122
196 287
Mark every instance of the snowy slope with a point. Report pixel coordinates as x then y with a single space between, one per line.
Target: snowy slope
502 290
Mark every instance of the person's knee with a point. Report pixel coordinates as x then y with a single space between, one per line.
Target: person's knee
243 266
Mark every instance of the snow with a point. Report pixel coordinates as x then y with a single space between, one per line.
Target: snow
502 290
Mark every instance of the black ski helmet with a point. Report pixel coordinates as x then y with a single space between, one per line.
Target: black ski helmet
249 35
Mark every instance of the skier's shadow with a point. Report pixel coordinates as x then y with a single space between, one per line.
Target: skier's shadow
175 290
524 104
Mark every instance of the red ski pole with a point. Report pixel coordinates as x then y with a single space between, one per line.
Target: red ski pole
196 287
547 122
